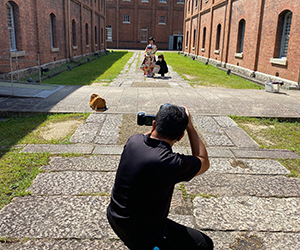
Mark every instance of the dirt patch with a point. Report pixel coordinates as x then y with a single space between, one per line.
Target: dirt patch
258 128
257 131
129 127
238 163
189 77
247 243
58 130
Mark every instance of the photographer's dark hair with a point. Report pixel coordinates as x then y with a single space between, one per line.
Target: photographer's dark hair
171 121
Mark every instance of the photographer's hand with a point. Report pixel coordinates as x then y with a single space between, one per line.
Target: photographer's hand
197 146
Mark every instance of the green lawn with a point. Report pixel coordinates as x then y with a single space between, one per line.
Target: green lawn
17 170
274 134
104 68
197 73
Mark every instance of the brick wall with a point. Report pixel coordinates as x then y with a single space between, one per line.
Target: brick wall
262 37
32 25
143 14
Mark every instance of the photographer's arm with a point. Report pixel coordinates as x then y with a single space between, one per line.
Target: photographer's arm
197 146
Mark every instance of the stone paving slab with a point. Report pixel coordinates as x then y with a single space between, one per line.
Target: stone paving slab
59 149
240 138
110 130
91 163
222 240
254 240
247 166
217 140
108 149
207 124
248 214
264 153
62 244
217 152
85 133
225 121
72 183
82 217
96 118
213 183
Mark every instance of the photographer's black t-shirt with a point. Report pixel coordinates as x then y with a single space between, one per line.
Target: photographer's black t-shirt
143 189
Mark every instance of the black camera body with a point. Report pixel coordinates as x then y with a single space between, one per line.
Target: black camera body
144 119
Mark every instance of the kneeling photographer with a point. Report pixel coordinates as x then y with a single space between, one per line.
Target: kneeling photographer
145 180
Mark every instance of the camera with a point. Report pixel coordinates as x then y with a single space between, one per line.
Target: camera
144 119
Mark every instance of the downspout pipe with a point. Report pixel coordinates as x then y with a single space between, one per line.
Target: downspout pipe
225 16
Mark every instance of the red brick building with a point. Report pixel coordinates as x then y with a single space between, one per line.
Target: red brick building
257 38
55 29
130 23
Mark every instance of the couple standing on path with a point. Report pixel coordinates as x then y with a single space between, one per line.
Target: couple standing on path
150 61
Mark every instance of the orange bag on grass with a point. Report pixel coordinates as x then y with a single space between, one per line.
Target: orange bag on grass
97 103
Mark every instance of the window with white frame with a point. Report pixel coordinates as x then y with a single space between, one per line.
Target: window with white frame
180 1
126 19
162 1
145 1
53 30
11 27
108 33
162 20
144 34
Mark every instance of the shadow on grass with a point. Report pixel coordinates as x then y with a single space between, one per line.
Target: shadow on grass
89 72
17 170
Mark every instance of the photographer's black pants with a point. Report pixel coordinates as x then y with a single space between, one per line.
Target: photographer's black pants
180 237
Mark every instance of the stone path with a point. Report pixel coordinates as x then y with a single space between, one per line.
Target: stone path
244 201
131 92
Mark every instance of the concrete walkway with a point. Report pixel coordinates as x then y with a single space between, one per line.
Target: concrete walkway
244 201
131 92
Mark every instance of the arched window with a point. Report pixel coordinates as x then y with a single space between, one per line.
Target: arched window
241 35
74 40
126 19
218 37
194 38
204 38
53 30
286 34
283 34
11 26
87 42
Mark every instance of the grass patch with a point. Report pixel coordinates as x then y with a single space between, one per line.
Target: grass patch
30 128
197 73
274 134
104 68
17 171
